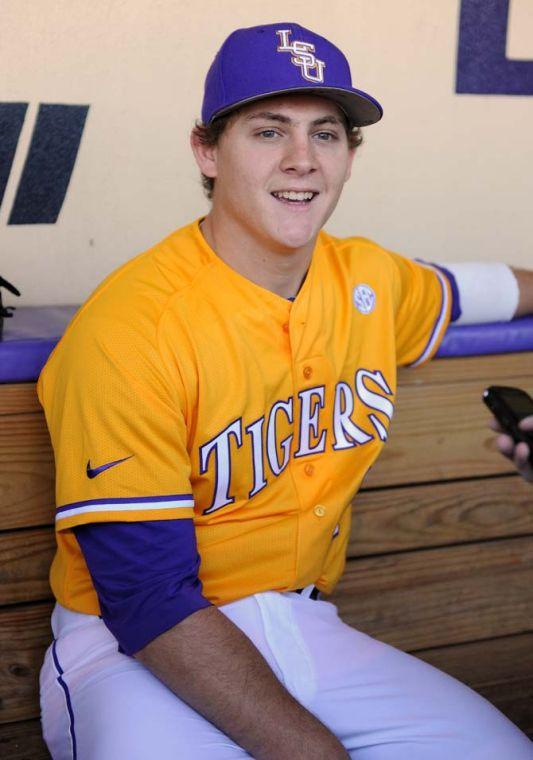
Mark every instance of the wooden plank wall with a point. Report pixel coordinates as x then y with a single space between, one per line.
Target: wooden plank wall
440 560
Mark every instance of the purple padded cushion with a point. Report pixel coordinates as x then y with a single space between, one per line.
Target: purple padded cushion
490 338
29 337
33 331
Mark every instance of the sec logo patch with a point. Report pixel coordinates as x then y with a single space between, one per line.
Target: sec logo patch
364 298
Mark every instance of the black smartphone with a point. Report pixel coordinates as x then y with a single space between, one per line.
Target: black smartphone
509 406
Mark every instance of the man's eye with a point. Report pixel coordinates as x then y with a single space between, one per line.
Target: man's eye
327 136
268 133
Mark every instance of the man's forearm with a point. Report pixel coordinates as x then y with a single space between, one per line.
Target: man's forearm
209 663
525 285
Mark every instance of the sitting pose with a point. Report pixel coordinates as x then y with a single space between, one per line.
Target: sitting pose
213 408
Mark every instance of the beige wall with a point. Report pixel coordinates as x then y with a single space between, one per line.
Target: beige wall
443 176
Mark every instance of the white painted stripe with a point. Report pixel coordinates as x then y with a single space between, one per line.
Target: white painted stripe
128 507
441 318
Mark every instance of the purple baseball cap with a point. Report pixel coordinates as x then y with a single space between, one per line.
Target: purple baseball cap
275 59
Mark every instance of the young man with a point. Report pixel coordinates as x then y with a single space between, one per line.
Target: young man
221 397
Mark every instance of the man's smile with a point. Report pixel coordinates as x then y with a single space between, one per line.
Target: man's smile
295 196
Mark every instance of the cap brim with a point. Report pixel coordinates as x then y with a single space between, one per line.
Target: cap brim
360 108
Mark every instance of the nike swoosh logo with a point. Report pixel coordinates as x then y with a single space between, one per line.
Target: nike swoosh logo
92 472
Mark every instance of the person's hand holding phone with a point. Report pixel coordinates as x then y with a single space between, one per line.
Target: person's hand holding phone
519 453
513 419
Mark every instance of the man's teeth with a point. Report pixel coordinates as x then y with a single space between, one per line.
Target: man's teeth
291 195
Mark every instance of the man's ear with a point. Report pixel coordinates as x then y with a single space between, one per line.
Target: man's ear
350 163
205 155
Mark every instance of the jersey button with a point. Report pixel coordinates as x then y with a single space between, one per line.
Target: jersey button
285 327
319 510
308 371
309 469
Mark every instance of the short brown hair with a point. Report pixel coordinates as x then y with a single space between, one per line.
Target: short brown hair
210 134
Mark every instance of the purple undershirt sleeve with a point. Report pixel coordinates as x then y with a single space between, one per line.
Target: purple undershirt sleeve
145 575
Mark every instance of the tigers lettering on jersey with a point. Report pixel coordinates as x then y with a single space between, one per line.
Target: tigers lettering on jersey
312 435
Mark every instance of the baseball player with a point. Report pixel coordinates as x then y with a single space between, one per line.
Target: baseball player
213 408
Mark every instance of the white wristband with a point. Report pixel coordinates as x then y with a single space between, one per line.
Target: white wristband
488 291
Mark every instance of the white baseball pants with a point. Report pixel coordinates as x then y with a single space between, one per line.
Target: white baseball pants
383 704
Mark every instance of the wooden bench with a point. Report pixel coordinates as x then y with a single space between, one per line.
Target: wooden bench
440 561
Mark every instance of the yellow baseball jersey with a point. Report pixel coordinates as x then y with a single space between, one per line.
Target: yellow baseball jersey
183 390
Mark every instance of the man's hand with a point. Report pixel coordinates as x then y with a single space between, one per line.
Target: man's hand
518 453
209 663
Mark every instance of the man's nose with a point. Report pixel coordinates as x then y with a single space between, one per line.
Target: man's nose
299 157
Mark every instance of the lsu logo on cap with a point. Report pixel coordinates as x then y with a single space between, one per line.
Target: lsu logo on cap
364 298
302 56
